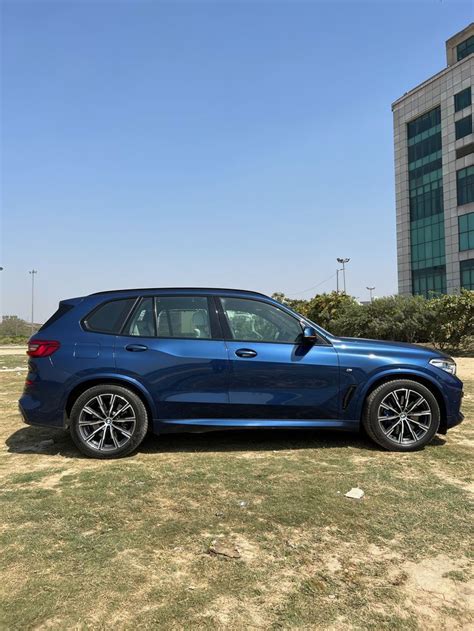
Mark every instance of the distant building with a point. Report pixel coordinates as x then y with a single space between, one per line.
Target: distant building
434 174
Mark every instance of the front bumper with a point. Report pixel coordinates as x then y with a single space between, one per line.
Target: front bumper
453 398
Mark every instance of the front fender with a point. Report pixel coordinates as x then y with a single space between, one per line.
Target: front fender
401 372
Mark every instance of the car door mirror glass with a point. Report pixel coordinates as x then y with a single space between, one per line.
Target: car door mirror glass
310 334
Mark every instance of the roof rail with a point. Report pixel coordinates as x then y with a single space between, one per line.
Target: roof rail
210 289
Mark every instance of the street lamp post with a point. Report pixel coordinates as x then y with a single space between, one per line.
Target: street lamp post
371 289
343 262
32 272
339 269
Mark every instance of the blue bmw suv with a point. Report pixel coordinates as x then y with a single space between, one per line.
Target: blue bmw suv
114 365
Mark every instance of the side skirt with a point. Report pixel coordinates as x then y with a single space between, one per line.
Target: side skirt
163 426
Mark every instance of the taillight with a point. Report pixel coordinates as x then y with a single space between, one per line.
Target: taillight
42 348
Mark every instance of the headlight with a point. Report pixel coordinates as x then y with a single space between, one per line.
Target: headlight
449 365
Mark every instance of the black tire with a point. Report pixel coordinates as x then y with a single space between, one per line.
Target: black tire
422 425
122 435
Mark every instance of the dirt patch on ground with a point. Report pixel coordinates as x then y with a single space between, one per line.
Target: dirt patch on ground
230 612
12 350
465 367
431 591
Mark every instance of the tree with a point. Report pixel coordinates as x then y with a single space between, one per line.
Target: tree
453 319
13 326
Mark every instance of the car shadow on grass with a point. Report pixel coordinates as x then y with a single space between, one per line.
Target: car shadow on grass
57 442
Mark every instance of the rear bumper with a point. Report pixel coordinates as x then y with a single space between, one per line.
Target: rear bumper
35 413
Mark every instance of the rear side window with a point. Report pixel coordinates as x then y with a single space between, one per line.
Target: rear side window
109 317
183 316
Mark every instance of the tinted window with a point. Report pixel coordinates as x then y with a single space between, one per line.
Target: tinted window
465 184
463 127
255 321
466 232
142 322
465 48
109 317
462 99
183 316
467 274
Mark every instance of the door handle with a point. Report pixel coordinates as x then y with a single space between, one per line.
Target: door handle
246 352
136 348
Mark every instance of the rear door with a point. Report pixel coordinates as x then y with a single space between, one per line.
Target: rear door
273 374
174 347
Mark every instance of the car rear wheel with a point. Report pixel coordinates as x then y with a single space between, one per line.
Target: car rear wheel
108 421
401 415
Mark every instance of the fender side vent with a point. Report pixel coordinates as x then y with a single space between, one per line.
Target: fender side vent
348 396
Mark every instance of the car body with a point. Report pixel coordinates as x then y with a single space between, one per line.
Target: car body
200 359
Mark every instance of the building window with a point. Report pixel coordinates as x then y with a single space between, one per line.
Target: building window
462 99
427 242
467 274
465 48
426 204
426 200
466 232
424 123
463 127
424 148
430 281
465 184
465 150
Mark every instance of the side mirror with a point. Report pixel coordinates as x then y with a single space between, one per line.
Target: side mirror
309 334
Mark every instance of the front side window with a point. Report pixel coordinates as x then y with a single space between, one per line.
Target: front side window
255 321
109 317
183 316
142 322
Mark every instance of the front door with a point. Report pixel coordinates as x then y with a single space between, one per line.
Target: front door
274 375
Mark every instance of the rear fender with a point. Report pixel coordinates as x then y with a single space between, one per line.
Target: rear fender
86 382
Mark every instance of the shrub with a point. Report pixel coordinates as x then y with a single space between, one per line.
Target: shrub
14 339
453 319
446 321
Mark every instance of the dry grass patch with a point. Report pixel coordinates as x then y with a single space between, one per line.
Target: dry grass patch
125 544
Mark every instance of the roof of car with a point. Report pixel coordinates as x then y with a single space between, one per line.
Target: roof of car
203 290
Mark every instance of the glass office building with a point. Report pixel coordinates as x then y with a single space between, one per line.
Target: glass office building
434 173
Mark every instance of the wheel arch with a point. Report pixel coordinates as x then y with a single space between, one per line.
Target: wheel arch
82 386
422 379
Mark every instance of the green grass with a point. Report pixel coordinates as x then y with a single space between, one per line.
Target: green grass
124 544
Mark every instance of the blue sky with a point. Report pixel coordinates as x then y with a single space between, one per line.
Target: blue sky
241 144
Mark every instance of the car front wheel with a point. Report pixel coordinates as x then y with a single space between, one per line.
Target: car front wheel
401 415
108 421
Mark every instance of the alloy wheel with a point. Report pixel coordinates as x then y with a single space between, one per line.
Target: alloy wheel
404 416
107 422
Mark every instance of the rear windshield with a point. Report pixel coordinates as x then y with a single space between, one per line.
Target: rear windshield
110 316
63 308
